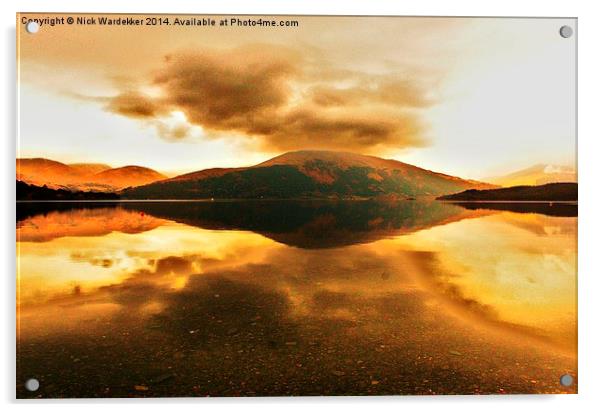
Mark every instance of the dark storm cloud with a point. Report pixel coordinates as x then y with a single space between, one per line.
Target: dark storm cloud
134 104
229 90
344 129
277 98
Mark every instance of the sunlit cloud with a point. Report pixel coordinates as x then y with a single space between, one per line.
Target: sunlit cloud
272 95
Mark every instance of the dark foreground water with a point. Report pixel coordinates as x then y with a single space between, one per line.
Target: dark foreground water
295 298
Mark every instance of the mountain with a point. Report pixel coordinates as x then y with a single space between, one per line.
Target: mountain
82 176
308 174
537 175
89 168
40 171
128 176
546 193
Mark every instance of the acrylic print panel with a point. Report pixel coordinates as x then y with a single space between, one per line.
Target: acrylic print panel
288 205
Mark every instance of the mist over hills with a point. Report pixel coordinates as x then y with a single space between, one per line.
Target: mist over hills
539 174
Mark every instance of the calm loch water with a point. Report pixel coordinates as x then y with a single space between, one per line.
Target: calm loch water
295 298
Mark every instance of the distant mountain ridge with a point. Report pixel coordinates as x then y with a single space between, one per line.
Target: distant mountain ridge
89 167
308 174
546 193
82 176
127 176
539 174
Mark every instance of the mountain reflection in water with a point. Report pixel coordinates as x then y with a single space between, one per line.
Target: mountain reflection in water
294 298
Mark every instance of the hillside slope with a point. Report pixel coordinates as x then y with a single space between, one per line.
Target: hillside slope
128 176
549 192
309 174
82 176
89 168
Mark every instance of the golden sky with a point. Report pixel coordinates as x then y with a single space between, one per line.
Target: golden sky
469 97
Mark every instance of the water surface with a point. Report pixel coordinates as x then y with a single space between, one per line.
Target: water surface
295 298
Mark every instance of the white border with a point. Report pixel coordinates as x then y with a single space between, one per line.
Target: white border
590 133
